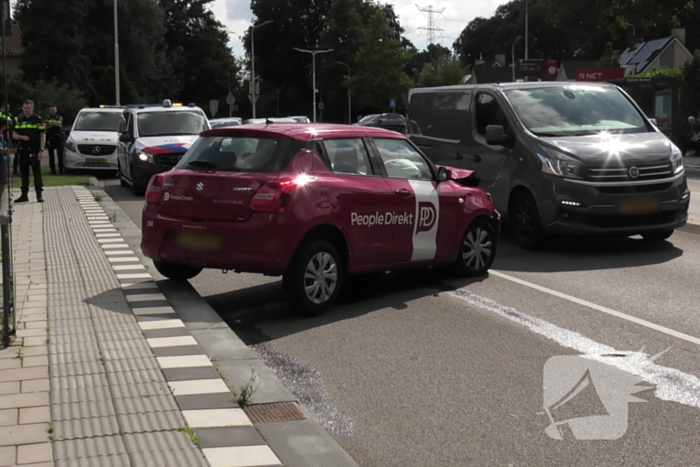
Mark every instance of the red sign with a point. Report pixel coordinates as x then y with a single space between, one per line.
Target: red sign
599 74
552 67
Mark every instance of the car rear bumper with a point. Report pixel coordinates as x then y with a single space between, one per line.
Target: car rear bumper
251 246
144 171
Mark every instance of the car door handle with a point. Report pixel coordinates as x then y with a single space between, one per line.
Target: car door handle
459 157
476 158
403 192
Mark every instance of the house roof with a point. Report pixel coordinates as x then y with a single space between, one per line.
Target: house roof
492 74
570 66
643 54
14 42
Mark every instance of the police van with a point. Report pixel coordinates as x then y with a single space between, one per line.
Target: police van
92 141
153 138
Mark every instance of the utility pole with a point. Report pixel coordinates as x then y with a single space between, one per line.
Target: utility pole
431 29
349 100
254 89
313 74
526 21
116 54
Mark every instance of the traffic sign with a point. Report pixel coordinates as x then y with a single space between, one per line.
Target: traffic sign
230 99
392 103
213 107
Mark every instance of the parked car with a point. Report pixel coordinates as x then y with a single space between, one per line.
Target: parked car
389 121
154 138
264 121
558 158
217 122
312 203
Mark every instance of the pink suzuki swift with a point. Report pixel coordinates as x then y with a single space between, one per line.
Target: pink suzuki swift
312 203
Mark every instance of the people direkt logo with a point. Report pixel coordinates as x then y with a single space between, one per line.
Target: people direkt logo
585 399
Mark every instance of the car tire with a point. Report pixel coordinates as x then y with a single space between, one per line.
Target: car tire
525 221
314 258
658 236
477 250
122 181
176 271
138 190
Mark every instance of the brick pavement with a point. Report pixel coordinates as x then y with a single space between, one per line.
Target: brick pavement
109 374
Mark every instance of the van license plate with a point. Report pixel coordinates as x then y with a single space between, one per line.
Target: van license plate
97 160
200 241
640 206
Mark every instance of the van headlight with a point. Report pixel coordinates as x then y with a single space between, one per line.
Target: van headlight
145 157
70 145
676 159
556 163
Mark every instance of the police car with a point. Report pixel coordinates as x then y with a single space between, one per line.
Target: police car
93 138
314 202
154 138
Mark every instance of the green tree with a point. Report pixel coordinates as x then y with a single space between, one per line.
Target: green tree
610 58
380 61
443 71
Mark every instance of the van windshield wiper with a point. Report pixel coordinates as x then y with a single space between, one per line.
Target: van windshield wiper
203 164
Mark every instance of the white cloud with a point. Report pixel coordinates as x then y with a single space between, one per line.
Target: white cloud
236 16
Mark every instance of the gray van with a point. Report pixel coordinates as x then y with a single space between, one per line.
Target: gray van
557 158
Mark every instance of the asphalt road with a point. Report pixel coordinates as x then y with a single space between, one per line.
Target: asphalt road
420 369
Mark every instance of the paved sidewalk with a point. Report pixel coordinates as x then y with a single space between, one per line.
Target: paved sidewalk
107 374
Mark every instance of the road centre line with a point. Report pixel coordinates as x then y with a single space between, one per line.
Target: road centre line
618 314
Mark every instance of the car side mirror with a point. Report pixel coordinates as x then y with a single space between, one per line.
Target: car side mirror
380 121
443 174
124 137
495 135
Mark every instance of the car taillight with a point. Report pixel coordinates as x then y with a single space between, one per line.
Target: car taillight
154 190
273 196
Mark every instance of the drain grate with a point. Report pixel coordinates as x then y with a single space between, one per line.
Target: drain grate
278 412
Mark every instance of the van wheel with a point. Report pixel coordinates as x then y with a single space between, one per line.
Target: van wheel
525 219
477 250
313 281
659 236
175 271
122 181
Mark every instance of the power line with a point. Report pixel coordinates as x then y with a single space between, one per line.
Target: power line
431 29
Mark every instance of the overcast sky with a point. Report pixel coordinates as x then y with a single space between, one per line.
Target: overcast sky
456 14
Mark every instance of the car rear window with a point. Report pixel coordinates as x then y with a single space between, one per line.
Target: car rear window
239 154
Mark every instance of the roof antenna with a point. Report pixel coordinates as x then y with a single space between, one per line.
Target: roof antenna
268 121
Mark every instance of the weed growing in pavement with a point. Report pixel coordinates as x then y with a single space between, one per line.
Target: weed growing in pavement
190 432
20 353
98 198
148 396
113 217
50 427
103 359
243 395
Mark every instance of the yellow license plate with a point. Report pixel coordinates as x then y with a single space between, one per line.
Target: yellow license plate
200 241
640 206
97 160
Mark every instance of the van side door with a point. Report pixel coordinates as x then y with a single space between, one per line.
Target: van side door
488 161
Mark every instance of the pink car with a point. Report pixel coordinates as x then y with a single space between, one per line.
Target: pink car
313 203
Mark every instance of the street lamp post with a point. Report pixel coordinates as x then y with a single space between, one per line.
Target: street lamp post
116 55
252 57
512 53
313 82
526 21
349 101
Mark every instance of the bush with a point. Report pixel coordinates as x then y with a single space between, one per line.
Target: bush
68 100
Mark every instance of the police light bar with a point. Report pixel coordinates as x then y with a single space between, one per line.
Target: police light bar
177 104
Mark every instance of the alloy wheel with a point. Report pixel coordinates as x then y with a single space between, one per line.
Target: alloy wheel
477 248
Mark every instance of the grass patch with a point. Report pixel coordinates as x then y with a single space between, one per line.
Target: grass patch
190 432
53 180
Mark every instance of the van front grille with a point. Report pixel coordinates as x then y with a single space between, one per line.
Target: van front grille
644 171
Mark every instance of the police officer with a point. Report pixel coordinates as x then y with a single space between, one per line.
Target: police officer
54 139
31 134
10 121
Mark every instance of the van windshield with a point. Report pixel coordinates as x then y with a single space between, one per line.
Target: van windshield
575 110
98 121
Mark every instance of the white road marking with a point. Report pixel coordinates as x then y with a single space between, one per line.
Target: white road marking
619 314
671 384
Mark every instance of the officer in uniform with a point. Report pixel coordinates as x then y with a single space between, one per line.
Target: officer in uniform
9 123
30 133
54 139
